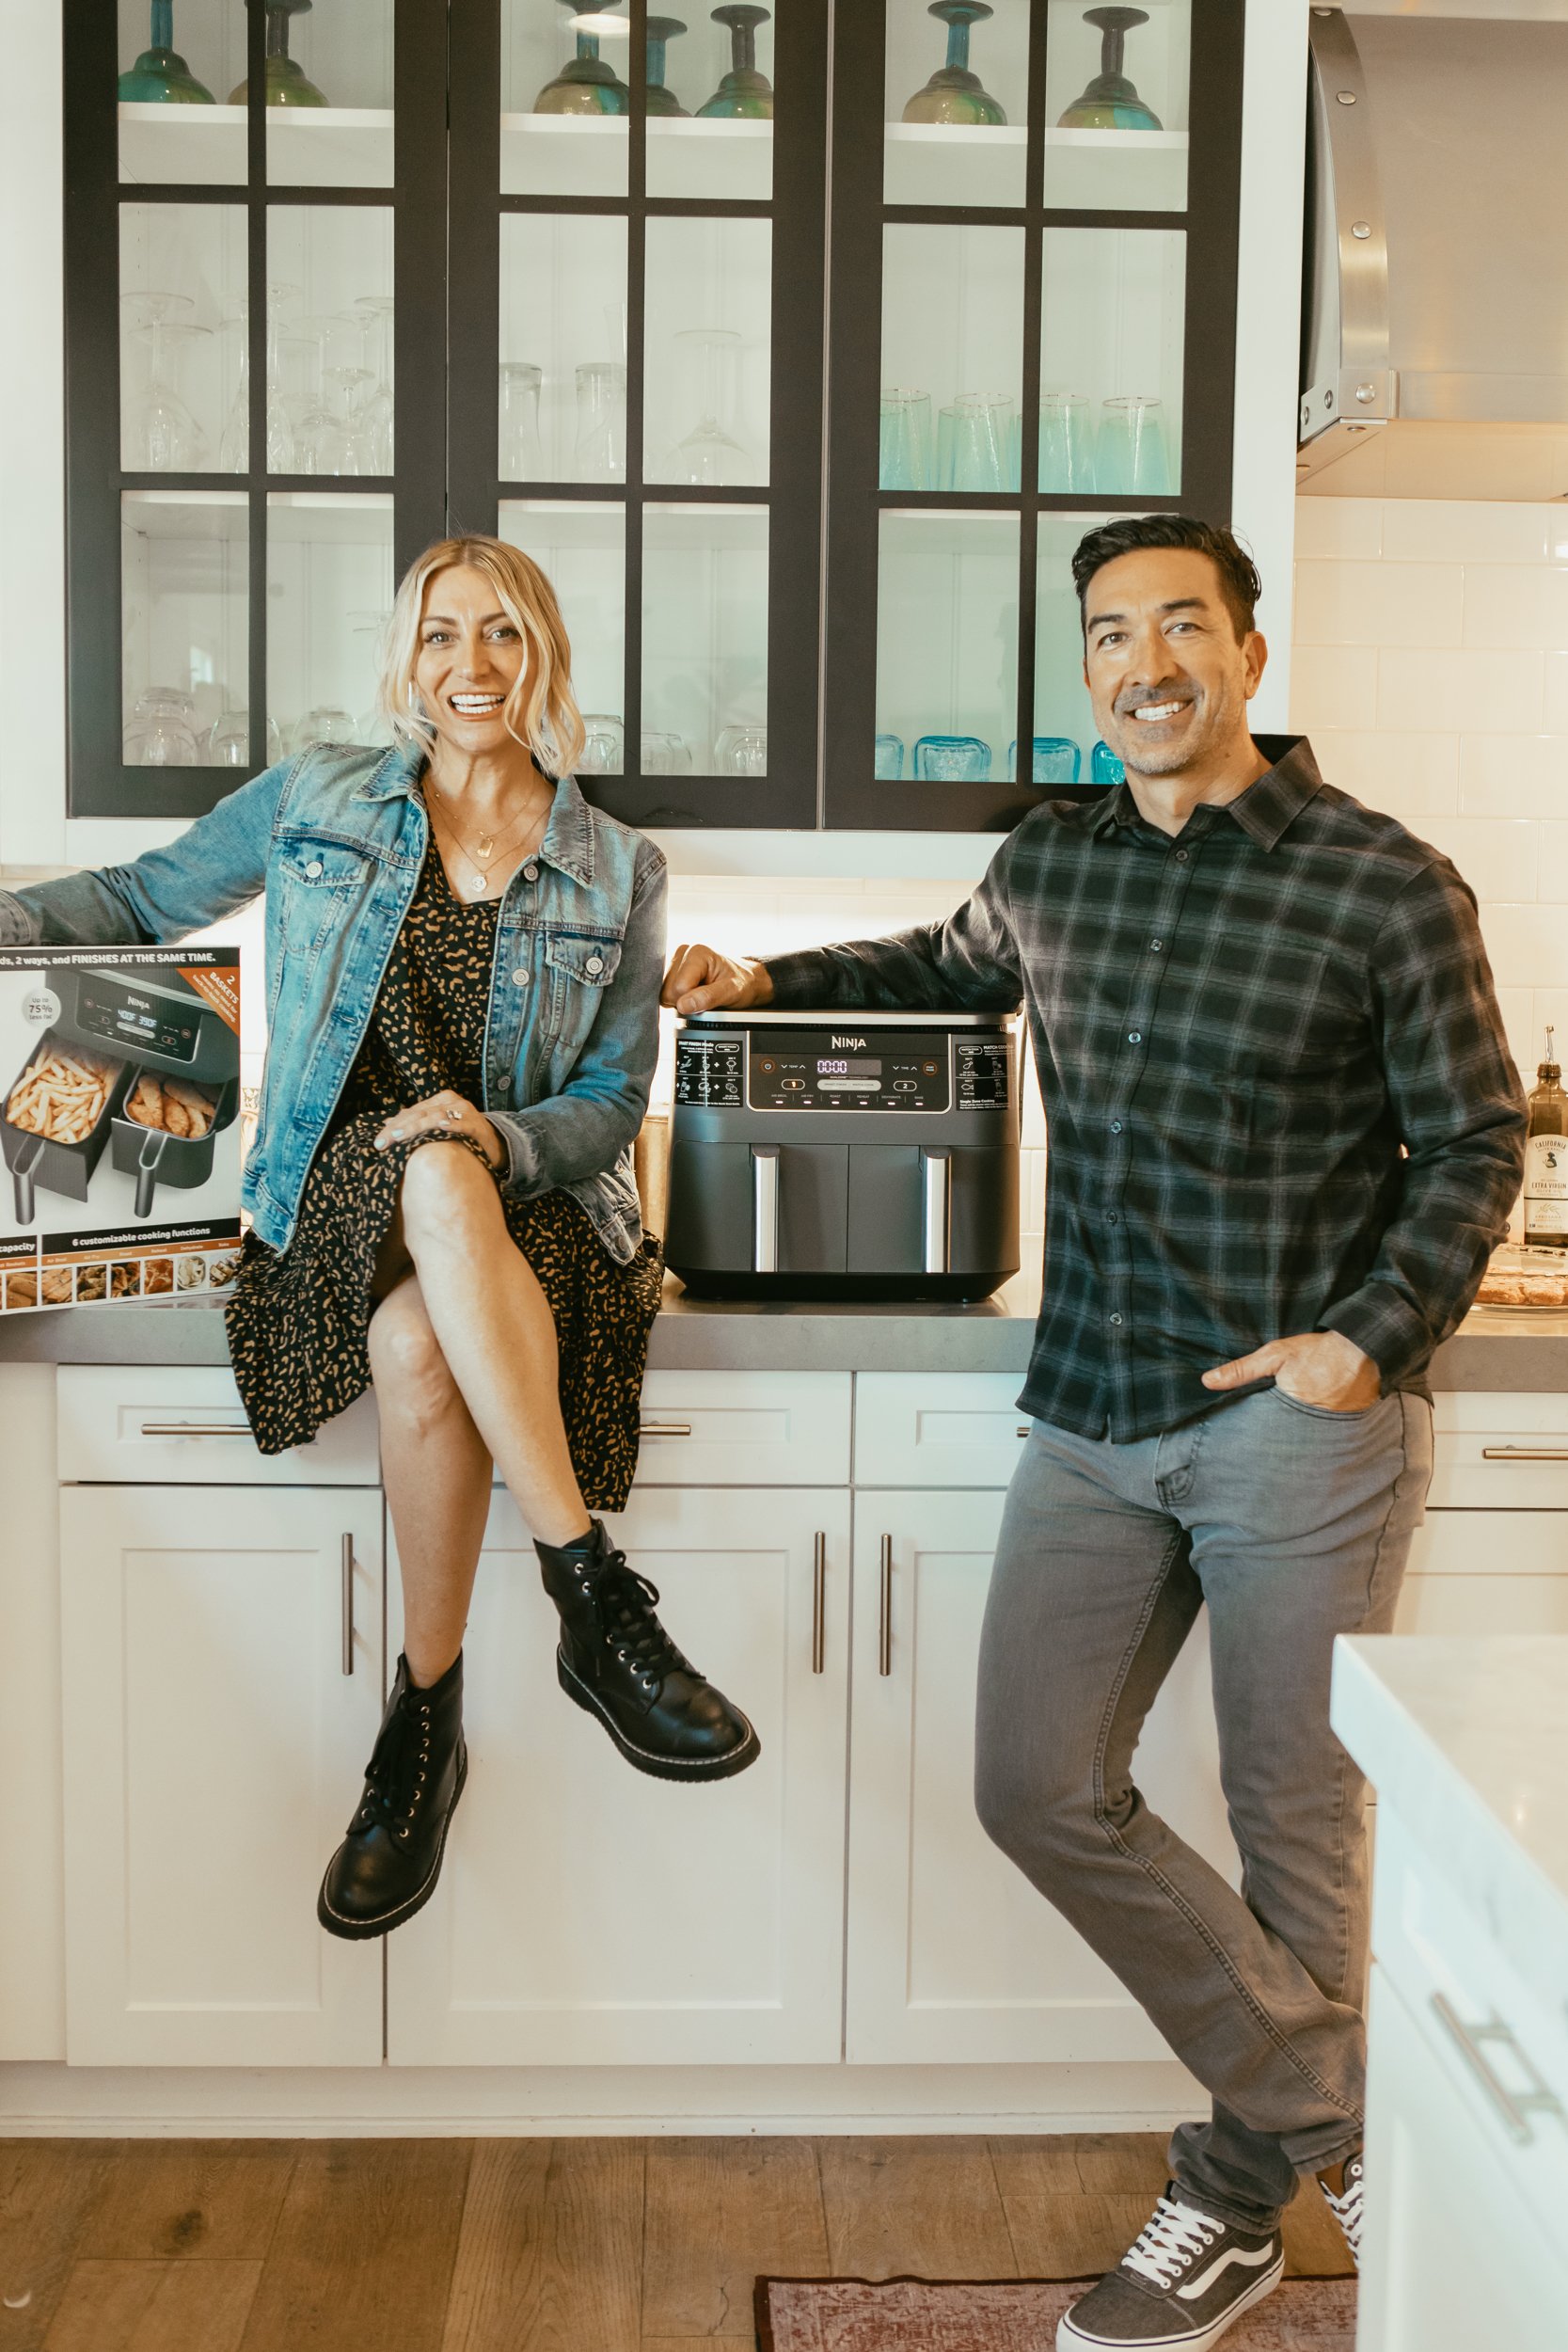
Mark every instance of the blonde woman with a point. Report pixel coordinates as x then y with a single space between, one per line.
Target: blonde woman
463 965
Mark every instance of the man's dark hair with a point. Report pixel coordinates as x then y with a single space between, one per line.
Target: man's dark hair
1239 582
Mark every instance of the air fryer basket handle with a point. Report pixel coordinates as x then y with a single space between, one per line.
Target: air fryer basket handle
146 1172
22 1172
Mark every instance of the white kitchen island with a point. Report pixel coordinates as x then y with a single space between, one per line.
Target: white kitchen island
1465 1742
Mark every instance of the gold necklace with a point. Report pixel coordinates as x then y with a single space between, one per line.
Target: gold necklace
483 856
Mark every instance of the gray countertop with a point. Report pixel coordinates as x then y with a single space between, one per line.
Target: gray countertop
1493 1349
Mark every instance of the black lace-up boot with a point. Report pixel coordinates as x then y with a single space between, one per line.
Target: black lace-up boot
617 1662
387 1867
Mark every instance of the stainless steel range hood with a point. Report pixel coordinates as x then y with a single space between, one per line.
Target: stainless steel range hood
1436 288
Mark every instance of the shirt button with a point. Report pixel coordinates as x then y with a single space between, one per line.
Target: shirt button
1116 1126
1155 946
1113 1319
1134 1037
519 978
1181 857
595 963
1111 1218
313 870
531 873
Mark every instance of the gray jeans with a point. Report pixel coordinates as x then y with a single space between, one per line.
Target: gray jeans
1294 1525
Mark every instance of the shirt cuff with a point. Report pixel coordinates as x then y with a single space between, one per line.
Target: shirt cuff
18 928
1385 1326
804 978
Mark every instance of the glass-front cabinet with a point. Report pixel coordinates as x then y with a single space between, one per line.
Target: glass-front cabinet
803 417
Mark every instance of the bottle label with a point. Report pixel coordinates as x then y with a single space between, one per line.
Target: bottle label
1547 1185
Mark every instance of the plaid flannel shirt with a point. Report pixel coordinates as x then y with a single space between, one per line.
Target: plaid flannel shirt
1277 1093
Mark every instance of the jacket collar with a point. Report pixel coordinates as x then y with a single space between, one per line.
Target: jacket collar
1265 811
568 842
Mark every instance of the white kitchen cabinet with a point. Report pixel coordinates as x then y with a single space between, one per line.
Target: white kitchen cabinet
215 1748
591 1914
938 1429
951 1954
176 1425
1487 1572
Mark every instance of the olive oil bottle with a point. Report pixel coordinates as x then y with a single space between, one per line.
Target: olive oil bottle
1547 1159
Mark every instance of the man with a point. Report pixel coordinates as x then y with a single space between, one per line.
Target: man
1285 1131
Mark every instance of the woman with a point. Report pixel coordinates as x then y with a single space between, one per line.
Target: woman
463 965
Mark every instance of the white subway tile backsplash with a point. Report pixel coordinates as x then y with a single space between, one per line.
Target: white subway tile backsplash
1513 775
1345 526
1499 857
1516 605
1381 604
1333 686
1527 945
1554 714
1464 531
1552 878
1407 775
1460 687
1517 1007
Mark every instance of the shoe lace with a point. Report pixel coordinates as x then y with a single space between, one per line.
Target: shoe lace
627 1602
1171 2241
1346 2208
395 1775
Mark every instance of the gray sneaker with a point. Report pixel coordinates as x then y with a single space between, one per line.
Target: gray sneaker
1187 2278
1342 2186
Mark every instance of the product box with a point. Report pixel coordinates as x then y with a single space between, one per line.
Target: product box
119 1126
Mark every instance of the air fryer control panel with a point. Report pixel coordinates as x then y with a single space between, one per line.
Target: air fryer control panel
141 1024
798 1070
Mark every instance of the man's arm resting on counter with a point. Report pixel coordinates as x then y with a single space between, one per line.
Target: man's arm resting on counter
1461 1110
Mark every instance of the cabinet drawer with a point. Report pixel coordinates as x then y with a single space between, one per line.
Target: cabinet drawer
745 1429
184 1426
937 1429
1501 1452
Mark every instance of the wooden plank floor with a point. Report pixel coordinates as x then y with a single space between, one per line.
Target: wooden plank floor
534 2245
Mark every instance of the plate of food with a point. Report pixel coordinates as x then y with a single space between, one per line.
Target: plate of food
1523 1282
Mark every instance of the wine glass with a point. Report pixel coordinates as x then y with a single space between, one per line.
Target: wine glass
743 93
604 744
376 417
954 94
951 759
585 84
164 437
299 365
742 750
1110 102
522 452
660 99
709 454
159 733
229 742
600 453
160 76
286 83
349 444
234 448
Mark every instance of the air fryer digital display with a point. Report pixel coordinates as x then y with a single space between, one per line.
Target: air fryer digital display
138 1022
831 1071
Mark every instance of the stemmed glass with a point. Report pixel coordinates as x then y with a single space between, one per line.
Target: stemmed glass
164 437
600 452
954 94
299 362
234 449
662 99
522 452
744 94
709 456
376 416
349 448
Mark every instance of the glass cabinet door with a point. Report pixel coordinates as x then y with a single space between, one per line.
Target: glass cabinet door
255 317
1031 326
637 292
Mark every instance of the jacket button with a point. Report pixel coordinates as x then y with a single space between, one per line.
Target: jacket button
519 978
531 873
313 870
595 963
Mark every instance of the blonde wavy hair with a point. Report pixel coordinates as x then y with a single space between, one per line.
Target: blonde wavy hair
541 711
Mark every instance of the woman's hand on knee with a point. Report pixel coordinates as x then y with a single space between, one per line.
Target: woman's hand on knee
446 1114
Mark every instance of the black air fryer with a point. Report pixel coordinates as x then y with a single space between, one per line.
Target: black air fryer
827 1155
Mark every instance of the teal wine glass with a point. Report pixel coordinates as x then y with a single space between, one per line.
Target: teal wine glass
661 30
286 83
954 94
1110 102
1105 767
160 76
585 84
743 95
888 764
1055 760
951 759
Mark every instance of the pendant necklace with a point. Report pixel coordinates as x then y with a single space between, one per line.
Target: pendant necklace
481 855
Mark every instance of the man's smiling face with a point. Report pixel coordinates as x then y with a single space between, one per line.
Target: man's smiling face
1169 677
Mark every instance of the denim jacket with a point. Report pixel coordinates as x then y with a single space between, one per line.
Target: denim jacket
337 838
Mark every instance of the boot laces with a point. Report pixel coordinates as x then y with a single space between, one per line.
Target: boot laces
395 1775
627 1602
1171 2241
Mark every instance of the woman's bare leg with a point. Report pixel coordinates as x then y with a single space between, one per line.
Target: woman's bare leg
493 1326
436 1468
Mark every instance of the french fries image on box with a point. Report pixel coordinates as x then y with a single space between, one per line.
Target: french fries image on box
179 1109
61 1095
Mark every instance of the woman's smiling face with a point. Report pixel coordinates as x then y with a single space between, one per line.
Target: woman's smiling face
472 653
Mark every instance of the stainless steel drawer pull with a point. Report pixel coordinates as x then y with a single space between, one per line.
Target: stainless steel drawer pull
1515 2107
765 1208
194 1429
884 1623
818 1603
348 1603
1524 1453
665 1429
1022 1429
936 1212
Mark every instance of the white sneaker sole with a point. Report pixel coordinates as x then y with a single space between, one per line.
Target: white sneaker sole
1071 2338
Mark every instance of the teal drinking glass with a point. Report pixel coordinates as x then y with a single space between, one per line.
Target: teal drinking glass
904 445
1057 760
1066 442
981 427
160 76
585 84
660 99
954 94
1105 767
286 82
951 759
888 764
743 94
1110 102
1129 448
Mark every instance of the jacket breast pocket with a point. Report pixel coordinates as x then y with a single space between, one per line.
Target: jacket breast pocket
313 881
578 967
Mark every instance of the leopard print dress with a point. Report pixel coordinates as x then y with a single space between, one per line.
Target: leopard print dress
299 1318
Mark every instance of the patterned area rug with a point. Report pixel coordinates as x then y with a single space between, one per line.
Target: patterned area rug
1011 2315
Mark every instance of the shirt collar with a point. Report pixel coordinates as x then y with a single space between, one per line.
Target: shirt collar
1265 811
568 839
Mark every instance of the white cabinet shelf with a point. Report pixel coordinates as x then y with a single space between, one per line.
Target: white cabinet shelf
322 147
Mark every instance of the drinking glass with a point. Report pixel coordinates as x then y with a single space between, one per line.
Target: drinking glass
522 452
377 309
285 82
710 455
904 452
888 761
317 437
603 745
1130 449
350 443
743 93
951 759
1105 767
954 94
164 437
159 733
160 76
600 452
742 750
979 441
1066 442
1057 760
666 755
229 742
1111 102
585 84
234 448
660 99
326 723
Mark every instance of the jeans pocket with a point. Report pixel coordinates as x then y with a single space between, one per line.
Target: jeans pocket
1328 1412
